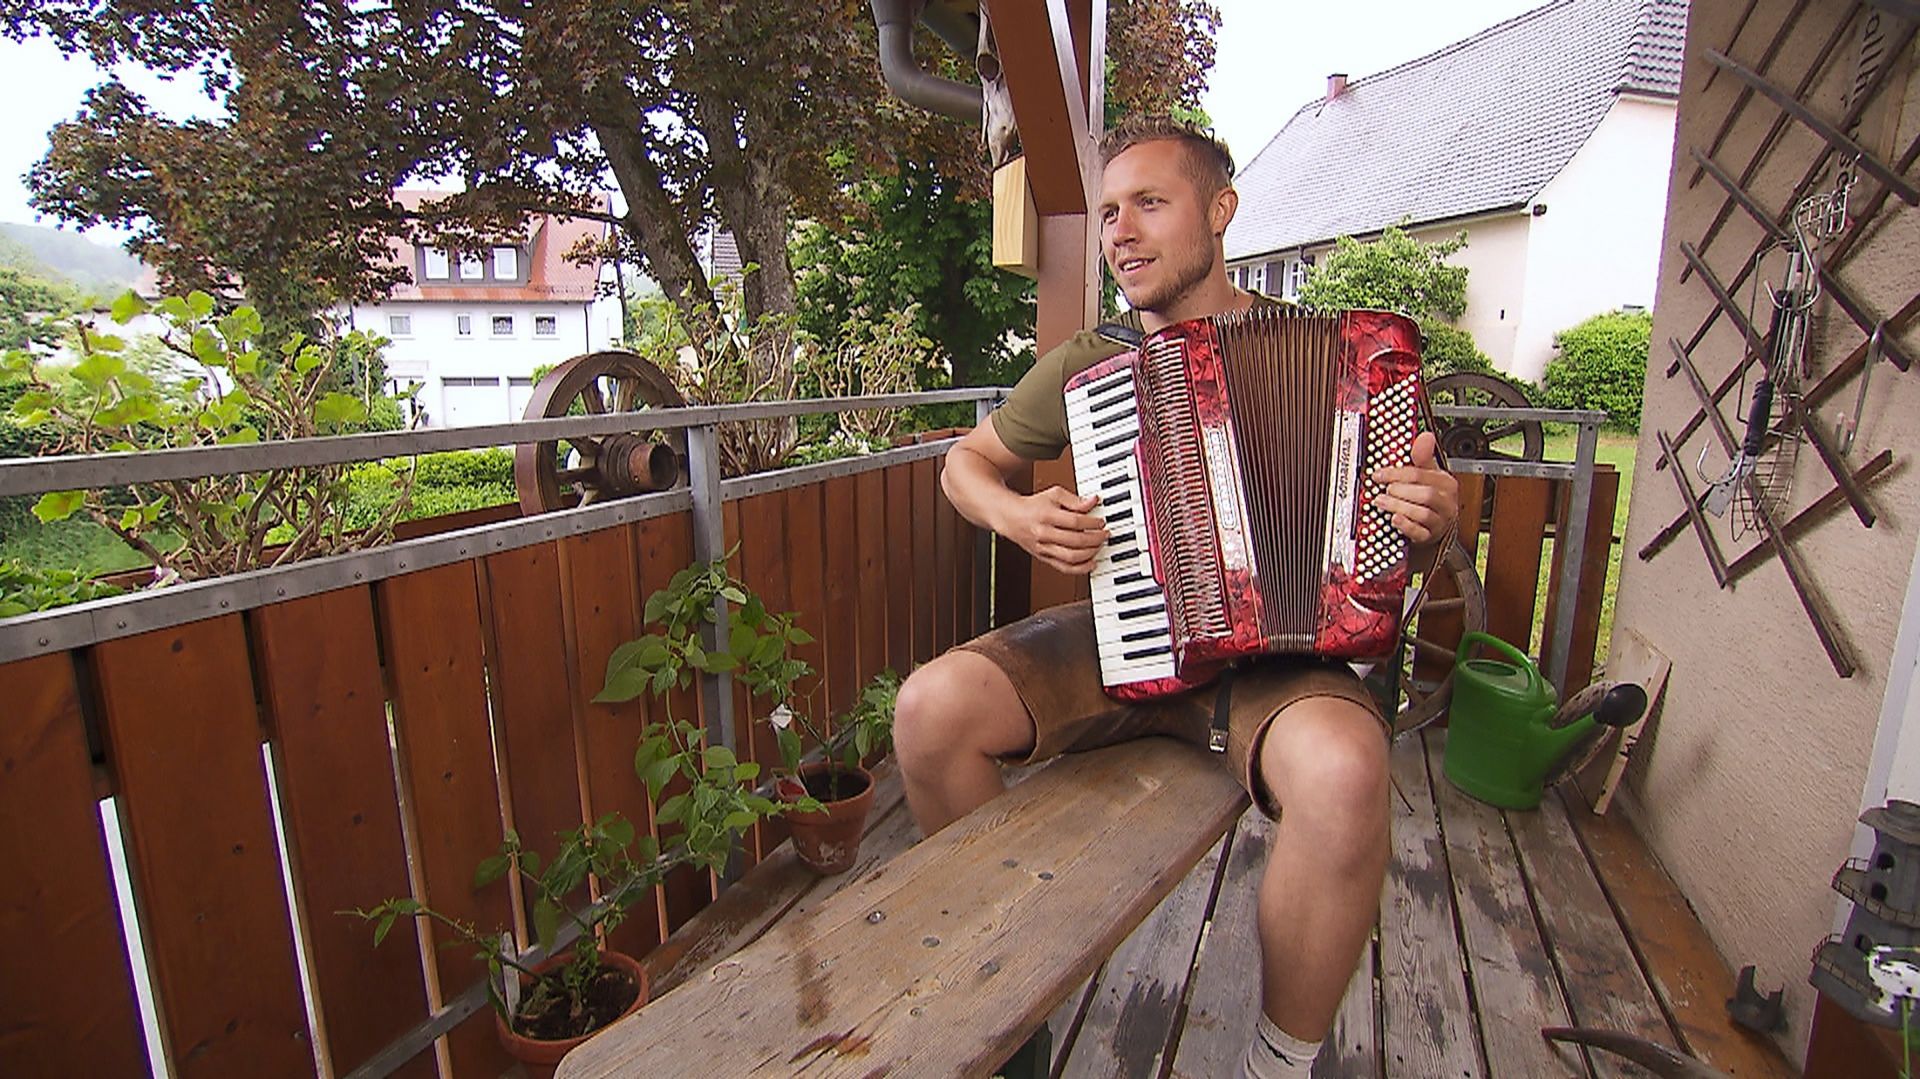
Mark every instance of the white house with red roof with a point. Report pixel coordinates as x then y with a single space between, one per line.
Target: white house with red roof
470 330
1548 138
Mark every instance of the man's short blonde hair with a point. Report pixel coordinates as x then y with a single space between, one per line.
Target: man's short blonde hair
1208 161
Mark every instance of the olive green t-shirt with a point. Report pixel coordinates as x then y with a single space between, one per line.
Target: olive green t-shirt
1032 421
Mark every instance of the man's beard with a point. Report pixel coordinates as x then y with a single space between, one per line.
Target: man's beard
1180 279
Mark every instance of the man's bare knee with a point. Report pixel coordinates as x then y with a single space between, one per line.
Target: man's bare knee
1325 761
961 703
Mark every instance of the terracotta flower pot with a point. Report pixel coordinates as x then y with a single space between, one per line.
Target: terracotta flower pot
541 1055
828 841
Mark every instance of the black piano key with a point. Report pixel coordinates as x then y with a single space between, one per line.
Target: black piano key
1111 441
1138 593
1148 653
1113 458
1143 634
1116 499
1127 555
1121 515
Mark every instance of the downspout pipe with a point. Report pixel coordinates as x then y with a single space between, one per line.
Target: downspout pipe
895 19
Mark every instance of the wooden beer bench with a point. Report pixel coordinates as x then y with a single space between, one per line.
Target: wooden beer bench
945 958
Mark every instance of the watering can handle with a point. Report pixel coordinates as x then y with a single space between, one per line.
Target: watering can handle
1468 640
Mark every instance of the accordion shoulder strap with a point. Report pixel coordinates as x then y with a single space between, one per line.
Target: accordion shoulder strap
1120 333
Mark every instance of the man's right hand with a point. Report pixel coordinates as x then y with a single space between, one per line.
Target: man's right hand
1057 527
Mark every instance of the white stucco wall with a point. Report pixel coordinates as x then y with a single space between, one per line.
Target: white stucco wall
1496 259
1596 247
1754 773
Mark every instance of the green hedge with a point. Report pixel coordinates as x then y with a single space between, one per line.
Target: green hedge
443 483
1602 364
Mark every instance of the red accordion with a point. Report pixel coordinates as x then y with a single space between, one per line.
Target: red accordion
1233 458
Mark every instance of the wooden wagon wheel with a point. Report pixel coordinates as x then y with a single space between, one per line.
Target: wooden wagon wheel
583 470
1517 440
1453 603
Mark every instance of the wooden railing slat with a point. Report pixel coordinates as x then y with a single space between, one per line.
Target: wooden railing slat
183 741
764 569
68 998
600 580
870 499
945 567
1521 507
327 709
899 556
532 687
430 622
843 594
665 547
926 477
1593 577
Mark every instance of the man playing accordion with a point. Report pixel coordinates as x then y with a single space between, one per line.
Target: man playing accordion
1303 734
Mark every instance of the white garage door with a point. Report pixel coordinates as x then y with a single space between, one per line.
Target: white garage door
467 401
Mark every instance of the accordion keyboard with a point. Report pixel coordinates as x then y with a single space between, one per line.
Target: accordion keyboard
1129 610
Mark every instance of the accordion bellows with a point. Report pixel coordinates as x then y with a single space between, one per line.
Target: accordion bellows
1233 457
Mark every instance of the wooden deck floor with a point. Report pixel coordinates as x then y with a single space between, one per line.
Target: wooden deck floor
1493 924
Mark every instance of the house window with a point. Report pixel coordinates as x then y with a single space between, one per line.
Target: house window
400 325
503 325
545 326
463 325
506 263
436 264
471 268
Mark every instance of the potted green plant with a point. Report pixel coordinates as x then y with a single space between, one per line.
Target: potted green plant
546 1008
827 838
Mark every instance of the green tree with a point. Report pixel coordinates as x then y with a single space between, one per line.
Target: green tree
31 308
1396 273
911 237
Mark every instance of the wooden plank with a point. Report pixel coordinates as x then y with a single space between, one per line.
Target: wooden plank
663 546
1426 1023
183 742
600 584
1603 981
870 508
843 595
1352 1048
1513 557
807 584
926 477
1063 1026
928 966
76 1014
899 554
964 555
1593 578
1680 960
430 621
1223 1005
945 539
1513 980
320 682
533 689
1632 660
1133 1014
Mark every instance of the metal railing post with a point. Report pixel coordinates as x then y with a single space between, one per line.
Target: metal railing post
710 544
1572 554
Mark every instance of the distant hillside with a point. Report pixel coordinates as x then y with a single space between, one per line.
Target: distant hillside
91 267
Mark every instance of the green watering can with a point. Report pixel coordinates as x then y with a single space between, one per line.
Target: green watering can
1507 739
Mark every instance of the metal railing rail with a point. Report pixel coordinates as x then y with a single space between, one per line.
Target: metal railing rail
38 475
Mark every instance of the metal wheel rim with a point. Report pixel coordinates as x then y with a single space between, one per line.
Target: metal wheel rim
1455 586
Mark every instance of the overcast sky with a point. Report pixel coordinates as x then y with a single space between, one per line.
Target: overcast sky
1273 57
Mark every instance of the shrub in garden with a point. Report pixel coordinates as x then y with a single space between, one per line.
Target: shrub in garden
1602 364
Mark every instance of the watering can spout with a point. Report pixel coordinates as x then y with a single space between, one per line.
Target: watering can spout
1507 740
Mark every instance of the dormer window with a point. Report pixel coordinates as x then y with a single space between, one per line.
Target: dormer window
471 268
436 264
506 264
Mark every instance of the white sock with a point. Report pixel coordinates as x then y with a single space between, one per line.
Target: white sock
1275 1054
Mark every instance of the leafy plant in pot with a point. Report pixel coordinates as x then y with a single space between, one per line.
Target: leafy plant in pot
827 839
552 1005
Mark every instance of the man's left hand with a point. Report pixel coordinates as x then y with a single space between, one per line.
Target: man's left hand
1423 498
